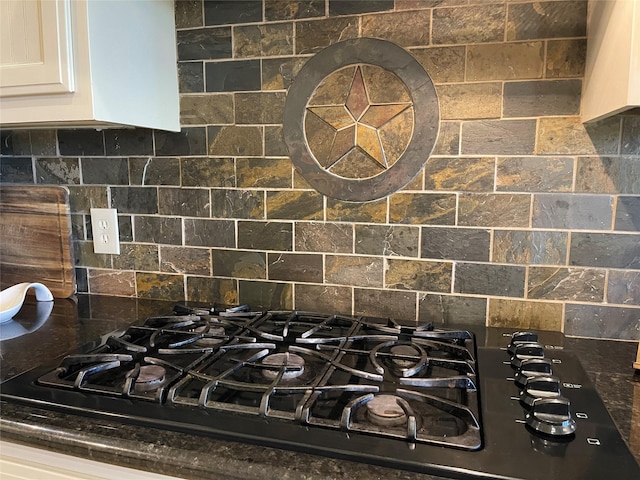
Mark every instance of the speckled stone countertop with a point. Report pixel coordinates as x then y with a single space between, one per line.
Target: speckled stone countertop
75 322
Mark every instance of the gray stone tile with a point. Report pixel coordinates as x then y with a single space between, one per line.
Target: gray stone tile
355 271
324 237
81 142
141 257
569 136
600 321
228 203
535 174
418 275
445 309
493 210
239 263
266 295
314 35
484 279
542 98
388 240
397 304
290 10
16 170
294 205
256 235
222 12
112 171
402 28
474 174
263 40
204 43
194 261
630 135
551 19
189 202
188 141
576 284
204 289
58 171
259 108
572 211
154 171
474 24
295 267
608 175
189 14
207 172
566 58
530 247
443 64
628 214
191 77
470 100
127 141
160 230
232 76
498 137
607 250
350 7
505 61
235 141
525 314
206 109
453 243
209 233
323 298
422 208
623 287
448 142
134 199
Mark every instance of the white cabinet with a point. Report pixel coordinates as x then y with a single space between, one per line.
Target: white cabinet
88 63
612 75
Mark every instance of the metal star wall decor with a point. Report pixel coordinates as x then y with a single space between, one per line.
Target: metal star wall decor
361 119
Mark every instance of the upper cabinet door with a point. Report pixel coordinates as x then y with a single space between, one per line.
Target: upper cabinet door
612 76
35 47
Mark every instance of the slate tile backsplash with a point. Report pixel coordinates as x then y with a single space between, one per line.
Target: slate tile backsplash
522 217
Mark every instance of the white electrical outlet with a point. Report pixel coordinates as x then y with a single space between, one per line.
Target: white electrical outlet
104 224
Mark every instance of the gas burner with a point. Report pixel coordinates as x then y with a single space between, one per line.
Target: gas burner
386 411
404 356
148 377
293 365
217 333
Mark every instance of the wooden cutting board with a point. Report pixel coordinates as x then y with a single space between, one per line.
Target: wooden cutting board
35 238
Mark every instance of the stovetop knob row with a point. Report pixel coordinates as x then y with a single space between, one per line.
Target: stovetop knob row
548 412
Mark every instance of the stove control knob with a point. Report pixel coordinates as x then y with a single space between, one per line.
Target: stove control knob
551 416
532 367
521 337
540 386
524 351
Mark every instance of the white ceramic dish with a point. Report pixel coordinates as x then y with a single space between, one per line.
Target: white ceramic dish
12 298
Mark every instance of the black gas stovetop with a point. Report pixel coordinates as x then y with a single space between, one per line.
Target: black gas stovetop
360 388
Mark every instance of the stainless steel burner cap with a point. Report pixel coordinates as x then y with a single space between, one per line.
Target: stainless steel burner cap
210 330
150 377
385 411
289 360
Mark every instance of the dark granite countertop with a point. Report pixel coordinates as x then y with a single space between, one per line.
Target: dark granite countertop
76 322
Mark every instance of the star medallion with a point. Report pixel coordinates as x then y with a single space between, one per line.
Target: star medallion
358 134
